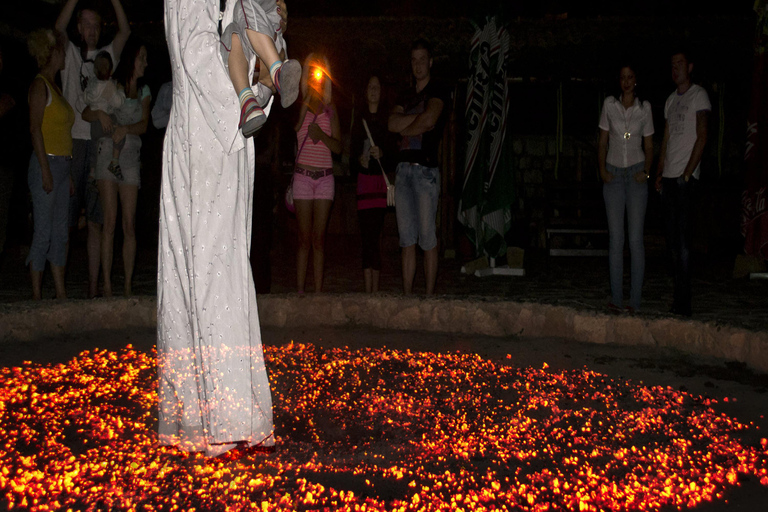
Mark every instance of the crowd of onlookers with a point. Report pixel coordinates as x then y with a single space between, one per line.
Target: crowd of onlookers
89 105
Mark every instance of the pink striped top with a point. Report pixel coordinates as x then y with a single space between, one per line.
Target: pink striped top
315 154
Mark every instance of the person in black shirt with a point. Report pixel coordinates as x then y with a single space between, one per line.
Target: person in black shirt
418 119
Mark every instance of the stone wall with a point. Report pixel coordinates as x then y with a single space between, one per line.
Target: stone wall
538 322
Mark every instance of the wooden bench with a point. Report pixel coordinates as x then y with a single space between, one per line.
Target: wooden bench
577 211
575 231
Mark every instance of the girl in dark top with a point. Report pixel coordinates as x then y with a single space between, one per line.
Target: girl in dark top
371 187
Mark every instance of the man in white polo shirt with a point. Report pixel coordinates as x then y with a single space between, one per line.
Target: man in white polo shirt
685 135
78 69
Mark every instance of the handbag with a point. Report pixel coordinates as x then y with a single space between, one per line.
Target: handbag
390 186
289 189
289 197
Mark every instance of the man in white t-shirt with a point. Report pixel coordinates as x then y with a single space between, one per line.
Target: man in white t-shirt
685 135
78 70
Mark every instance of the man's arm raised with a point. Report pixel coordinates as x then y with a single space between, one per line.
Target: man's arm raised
123 28
64 17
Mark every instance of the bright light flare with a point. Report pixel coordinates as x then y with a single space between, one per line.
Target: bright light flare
373 429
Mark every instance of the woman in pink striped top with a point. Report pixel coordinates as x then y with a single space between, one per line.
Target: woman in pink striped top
318 134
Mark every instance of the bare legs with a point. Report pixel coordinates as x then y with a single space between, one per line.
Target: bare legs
37 283
408 256
94 258
108 193
128 197
409 268
108 197
58 282
430 269
371 280
312 216
238 64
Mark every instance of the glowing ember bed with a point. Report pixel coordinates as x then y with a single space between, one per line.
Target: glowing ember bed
377 429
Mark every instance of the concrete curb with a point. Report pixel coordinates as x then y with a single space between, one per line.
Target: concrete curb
30 320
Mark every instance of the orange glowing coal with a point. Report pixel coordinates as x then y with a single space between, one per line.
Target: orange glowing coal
374 429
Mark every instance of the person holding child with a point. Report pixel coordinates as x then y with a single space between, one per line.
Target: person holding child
78 71
131 121
262 24
103 94
214 393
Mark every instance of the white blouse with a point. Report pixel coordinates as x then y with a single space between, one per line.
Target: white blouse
626 128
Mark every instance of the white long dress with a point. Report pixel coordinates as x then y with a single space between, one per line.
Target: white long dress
213 385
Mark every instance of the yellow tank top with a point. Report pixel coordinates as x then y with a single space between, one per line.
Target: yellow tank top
58 119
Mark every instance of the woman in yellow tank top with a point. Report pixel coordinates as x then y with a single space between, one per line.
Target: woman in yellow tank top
50 124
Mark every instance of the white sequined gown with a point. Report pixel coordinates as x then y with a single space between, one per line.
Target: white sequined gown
213 385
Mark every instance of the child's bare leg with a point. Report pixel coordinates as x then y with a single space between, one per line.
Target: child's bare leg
263 46
238 65
252 117
285 76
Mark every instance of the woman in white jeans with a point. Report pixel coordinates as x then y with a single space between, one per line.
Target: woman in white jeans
625 155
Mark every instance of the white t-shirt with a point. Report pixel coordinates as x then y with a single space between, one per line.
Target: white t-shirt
73 81
637 121
680 112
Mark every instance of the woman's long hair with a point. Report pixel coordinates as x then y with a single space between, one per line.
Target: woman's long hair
314 61
617 80
383 97
126 67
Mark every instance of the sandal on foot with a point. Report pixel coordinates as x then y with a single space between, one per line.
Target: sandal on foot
252 118
287 82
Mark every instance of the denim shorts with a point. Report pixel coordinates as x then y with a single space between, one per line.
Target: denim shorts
417 191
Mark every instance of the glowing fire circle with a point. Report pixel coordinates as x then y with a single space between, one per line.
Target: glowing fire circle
372 429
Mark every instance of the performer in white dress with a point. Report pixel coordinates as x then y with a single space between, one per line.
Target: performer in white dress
213 387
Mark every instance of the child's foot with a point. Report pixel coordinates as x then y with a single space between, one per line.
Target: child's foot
114 168
252 117
287 80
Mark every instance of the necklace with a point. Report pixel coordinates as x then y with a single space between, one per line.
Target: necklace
627 133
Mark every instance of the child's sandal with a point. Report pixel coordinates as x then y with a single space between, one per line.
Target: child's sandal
288 81
252 118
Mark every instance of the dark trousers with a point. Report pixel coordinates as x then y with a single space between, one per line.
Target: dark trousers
678 203
371 224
